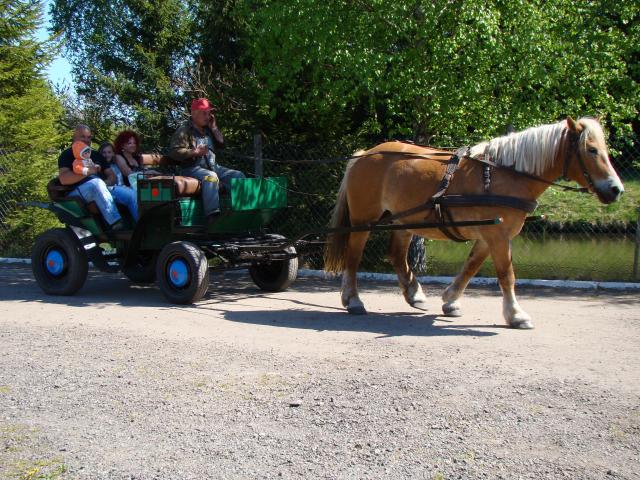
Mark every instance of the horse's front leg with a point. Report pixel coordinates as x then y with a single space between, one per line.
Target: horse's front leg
514 315
349 295
451 296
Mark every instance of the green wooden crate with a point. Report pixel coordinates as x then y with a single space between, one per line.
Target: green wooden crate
250 205
258 193
155 190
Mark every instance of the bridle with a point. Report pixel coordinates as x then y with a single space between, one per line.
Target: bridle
573 142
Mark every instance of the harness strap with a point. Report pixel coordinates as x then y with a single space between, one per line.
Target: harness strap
527 206
486 177
452 166
451 232
440 209
486 161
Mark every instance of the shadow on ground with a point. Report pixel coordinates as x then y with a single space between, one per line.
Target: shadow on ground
104 290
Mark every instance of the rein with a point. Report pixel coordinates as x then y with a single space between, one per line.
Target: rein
530 176
441 155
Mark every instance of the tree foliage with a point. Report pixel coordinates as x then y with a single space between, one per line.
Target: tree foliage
448 70
128 56
29 123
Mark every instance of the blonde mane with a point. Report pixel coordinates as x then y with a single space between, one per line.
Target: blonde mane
531 151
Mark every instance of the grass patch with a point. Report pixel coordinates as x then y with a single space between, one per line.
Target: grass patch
575 257
50 469
23 458
571 207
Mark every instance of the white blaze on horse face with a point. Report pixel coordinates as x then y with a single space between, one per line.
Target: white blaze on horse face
611 187
606 181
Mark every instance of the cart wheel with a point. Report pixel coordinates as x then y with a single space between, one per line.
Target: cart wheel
143 270
277 275
59 262
182 272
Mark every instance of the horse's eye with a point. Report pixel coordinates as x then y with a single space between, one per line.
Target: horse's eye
593 151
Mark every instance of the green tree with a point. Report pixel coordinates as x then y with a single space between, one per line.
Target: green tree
128 58
29 116
455 69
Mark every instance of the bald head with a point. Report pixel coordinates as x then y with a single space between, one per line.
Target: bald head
82 133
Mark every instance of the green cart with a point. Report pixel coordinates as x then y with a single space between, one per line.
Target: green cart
171 243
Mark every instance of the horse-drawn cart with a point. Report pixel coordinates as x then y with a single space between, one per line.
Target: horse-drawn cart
171 243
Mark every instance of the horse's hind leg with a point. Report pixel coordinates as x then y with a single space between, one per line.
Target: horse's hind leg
451 306
349 295
515 316
411 288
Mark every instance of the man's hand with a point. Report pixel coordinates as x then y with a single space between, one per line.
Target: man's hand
213 123
95 170
200 151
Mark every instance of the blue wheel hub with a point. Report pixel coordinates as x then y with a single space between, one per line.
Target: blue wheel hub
178 273
54 262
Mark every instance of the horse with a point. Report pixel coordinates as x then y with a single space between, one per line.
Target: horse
395 177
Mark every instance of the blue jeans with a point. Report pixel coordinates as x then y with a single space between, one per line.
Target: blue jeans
95 190
210 194
126 196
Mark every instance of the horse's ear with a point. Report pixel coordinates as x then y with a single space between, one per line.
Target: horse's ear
571 123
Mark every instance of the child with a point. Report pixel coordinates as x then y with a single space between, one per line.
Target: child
122 194
106 150
82 158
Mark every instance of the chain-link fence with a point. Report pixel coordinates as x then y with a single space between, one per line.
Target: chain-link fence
579 239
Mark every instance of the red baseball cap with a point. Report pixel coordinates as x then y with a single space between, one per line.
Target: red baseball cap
201 104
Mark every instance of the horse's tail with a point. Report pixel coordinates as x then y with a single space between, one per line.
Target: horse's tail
334 251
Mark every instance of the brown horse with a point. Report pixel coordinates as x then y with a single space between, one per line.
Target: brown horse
394 177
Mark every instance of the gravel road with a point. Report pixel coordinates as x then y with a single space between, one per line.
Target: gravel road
116 384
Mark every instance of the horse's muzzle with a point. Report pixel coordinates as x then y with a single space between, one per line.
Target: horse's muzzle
609 190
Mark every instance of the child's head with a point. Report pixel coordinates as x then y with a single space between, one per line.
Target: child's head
107 151
81 150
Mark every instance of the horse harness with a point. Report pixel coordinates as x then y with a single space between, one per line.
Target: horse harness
441 202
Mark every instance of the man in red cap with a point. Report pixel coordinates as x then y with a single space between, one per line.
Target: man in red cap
193 147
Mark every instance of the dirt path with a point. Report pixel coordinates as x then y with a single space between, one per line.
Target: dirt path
116 384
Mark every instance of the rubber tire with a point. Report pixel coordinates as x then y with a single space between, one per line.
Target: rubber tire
144 270
77 262
275 276
198 269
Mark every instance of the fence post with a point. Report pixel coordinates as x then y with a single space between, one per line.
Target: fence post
636 255
257 154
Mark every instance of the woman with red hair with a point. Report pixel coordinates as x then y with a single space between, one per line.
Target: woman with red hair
128 156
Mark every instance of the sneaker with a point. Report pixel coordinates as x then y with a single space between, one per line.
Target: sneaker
118 226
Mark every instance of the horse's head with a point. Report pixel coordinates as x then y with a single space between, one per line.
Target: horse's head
588 161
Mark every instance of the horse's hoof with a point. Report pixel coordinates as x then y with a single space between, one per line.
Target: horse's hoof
420 305
522 324
521 321
356 310
451 310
